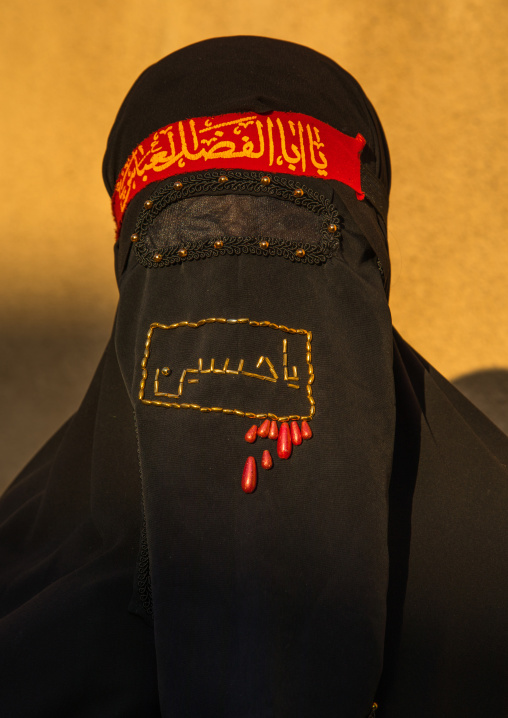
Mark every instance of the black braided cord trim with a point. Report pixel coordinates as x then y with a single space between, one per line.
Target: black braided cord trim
205 248
241 182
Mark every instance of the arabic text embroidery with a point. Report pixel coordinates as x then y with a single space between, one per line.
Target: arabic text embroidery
289 143
193 374
274 370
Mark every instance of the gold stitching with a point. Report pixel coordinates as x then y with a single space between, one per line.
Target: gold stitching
236 412
272 369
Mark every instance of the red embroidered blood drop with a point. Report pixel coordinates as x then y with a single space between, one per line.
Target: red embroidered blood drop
249 476
306 431
296 437
264 429
284 442
250 436
274 430
266 460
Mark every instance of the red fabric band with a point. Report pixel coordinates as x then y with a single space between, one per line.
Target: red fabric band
285 142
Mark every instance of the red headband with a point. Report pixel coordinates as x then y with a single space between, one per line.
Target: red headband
284 142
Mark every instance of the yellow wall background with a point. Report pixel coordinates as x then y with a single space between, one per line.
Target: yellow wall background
437 73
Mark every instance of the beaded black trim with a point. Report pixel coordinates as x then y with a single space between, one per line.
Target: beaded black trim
314 253
241 182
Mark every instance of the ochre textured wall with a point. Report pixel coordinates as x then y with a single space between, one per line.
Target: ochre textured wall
436 72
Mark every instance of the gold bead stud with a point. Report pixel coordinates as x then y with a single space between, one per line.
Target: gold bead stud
177 185
264 244
332 228
165 371
265 180
134 237
218 244
298 192
223 179
157 258
148 204
182 252
300 252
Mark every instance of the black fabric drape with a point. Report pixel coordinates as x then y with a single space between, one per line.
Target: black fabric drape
137 579
448 499
69 539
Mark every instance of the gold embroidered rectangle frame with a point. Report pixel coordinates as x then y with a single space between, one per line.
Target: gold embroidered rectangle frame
225 370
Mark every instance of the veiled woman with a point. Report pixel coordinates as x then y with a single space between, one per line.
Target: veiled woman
160 556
